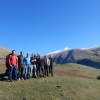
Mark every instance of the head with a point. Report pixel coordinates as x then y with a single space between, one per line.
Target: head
50 56
21 53
45 56
38 56
32 54
13 52
27 55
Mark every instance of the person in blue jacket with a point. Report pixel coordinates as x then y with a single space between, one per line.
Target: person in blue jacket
27 64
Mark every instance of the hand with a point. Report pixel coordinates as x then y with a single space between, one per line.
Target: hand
10 65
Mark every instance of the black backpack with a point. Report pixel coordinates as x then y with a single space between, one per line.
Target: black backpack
7 63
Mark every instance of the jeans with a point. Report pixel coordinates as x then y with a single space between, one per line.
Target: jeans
11 70
34 71
31 73
27 71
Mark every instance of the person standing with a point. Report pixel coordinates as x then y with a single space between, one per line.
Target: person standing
46 63
27 64
13 62
33 66
21 67
40 66
51 65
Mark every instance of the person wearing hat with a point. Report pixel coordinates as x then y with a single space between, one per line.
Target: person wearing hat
27 64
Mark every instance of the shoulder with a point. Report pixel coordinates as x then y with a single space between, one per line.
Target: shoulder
10 56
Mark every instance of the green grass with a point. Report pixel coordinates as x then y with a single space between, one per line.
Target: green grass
72 88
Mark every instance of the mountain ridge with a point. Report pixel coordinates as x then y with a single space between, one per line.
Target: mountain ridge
89 56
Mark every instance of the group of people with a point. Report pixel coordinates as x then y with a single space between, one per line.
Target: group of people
20 67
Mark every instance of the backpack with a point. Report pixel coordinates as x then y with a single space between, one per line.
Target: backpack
7 63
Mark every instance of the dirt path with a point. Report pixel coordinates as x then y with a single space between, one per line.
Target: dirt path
73 73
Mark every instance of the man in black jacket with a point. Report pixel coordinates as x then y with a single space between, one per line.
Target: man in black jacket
40 66
21 67
51 65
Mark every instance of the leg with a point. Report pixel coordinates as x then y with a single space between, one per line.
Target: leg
25 72
42 70
31 73
15 72
34 71
47 70
52 70
22 71
19 71
10 72
28 71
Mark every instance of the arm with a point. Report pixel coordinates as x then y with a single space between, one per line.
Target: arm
24 61
17 61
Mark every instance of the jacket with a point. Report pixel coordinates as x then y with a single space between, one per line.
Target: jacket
27 61
20 60
46 62
13 60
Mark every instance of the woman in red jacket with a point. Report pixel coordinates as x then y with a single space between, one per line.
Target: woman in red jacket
13 62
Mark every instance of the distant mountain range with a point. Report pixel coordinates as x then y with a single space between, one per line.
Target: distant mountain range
85 56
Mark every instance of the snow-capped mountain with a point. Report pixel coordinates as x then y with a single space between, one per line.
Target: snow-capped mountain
85 56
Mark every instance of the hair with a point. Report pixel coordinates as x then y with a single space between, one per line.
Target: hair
13 50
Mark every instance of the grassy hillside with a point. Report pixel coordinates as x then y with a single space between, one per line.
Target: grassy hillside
3 53
71 82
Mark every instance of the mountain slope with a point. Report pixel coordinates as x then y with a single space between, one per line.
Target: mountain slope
90 57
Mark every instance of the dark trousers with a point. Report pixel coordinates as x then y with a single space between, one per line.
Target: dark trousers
11 70
21 70
41 70
46 70
38 69
51 69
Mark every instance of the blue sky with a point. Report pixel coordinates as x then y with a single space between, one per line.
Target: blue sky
43 26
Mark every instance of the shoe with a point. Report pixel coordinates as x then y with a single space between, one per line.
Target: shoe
11 80
19 79
15 79
22 78
44 76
